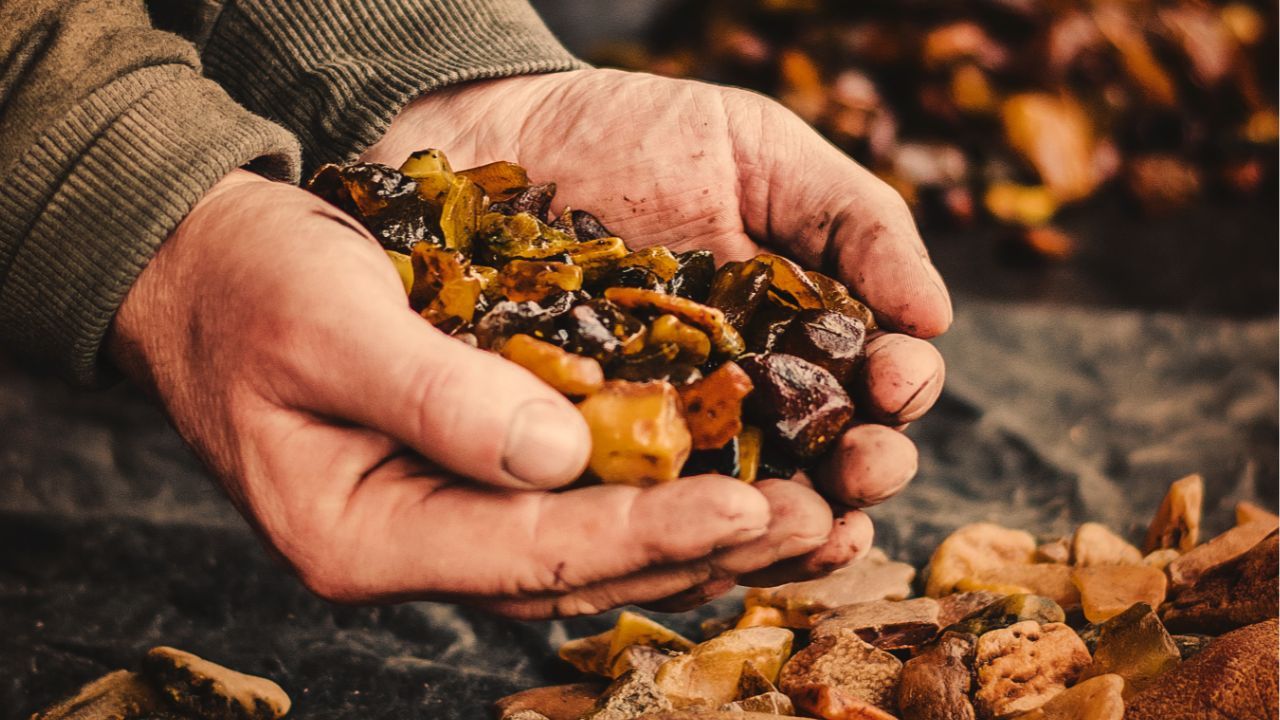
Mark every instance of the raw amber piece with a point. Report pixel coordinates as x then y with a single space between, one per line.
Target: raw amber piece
724 337
597 257
373 188
769 322
1247 512
443 291
556 702
1108 590
1235 677
602 330
832 703
500 238
404 224
589 654
749 441
1020 667
791 284
404 268
634 276
500 180
738 288
1135 646
1098 698
1053 133
638 435
708 675
572 375
534 200
1095 544
693 277
507 319
1231 544
935 684
537 280
1238 592
694 345
460 215
874 577
976 547
631 696
205 689
430 169
713 405
770 703
1010 611
1055 551
761 616
1177 522
957 606
827 339
635 629
642 658
799 403
886 624
845 663
836 298
657 260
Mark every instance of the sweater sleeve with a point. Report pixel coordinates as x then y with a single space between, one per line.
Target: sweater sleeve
335 72
108 136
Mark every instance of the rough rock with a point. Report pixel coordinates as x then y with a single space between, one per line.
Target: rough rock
1231 544
887 624
935 684
1020 667
115 696
1177 522
874 577
1008 611
629 697
555 702
1097 698
211 691
976 547
1239 592
844 662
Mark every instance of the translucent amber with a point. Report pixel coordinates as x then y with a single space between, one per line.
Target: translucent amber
1177 521
1095 544
791 284
1108 590
738 288
1134 645
537 280
500 180
657 260
724 337
694 345
708 675
976 547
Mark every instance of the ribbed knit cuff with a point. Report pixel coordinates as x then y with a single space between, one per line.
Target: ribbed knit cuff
336 72
93 199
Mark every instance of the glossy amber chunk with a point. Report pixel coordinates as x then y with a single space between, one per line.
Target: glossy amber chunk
713 406
500 180
1108 590
827 339
572 375
790 284
597 257
638 434
799 403
460 215
694 346
724 337
1135 646
431 171
657 260
693 277
976 547
537 280
506 319
443 291
708 675
836 298
738 288
404 268
602 330
749 442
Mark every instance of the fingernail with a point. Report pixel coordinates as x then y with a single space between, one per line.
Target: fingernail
544 444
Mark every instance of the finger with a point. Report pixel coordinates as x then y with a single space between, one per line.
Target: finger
902 378
800 521
851 538
468 410
405 535
806 195
694 597
642 588
871 464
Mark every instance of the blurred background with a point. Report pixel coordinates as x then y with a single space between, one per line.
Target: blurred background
1071 151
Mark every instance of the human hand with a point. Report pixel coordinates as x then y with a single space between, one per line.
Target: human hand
386 461
687 165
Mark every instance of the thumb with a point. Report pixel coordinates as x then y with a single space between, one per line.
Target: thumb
807 197
468 410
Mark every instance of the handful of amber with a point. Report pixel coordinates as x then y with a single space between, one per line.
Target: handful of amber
679 367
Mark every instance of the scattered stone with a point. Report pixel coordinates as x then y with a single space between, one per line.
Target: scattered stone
1054 551
629 697
935 684
639 657
771 703
1177 521
1232 679
636 629
712 715
886 624
589 654
708 675
874 577
211 691
1135 646
830 703
1190 645
1108 590
1020 667
1231 544
957 606
1098 698
114 696
556 702
1239 592
1009 611
752 682
761 616
845 663
1095 544
1044 579
1247 512
526 715
973 548
1160 559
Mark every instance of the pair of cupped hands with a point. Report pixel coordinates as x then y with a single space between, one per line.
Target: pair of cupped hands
386 461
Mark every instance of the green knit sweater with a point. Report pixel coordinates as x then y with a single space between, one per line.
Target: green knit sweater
116 116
